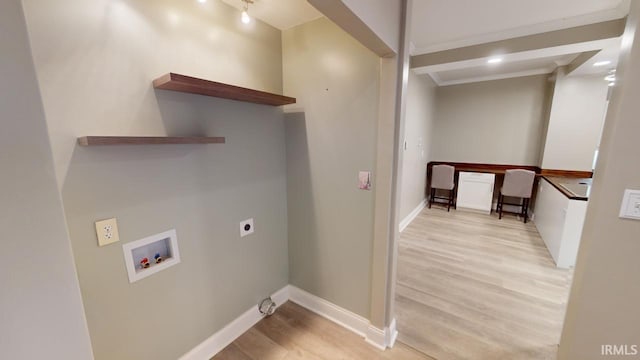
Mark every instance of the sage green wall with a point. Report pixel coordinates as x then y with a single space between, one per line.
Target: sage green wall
103 54
335 80
603 306
418 131
95 62
497 122
41 315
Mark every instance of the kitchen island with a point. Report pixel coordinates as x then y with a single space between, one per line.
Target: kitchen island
561 206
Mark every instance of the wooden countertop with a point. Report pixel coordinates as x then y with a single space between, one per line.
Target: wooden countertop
486 168
568 182
573 188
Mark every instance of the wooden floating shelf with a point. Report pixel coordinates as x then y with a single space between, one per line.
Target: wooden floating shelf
183 83
146 140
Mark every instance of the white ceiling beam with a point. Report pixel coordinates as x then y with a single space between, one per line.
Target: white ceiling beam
426 19
350 22
532 72
520 56
580 60
554 39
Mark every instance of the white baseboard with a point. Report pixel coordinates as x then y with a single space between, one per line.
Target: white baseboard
412 215
376 337
382 339
392 333
225 336
345 318
328 310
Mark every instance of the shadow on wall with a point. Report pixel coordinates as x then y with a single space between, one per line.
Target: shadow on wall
303 234
212 26
203 191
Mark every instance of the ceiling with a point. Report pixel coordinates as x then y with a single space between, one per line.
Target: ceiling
484 71
534 62
281 14
478 22
440 25
610 52
488 21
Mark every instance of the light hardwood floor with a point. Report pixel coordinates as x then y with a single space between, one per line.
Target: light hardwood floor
471 286
294 333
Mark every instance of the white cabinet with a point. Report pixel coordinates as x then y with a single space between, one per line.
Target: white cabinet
559 221
475 191
551 213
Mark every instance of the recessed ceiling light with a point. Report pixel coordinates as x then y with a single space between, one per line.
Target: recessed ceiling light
494 60
202 1
602 63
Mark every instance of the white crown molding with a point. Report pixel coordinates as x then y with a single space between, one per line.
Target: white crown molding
617 13
435 78
433 70
532 72
521 56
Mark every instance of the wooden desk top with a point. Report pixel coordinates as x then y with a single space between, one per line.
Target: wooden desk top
500 169
573 188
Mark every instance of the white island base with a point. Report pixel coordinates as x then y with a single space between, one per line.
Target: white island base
559 221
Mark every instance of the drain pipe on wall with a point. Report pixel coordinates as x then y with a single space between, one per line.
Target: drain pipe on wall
267 307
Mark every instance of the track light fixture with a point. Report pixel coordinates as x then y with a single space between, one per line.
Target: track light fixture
245 13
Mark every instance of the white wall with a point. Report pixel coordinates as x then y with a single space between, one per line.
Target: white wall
575 122
382 16
603 306
495 122
95 62
419 119
41 314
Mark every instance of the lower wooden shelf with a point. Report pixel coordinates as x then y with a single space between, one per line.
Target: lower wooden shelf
147 140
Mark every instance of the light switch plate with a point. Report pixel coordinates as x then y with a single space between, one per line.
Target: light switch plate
630 208
246 227
107 231
364 180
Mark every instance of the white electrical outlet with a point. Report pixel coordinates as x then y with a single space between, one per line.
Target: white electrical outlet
246 227
107 231
630 208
